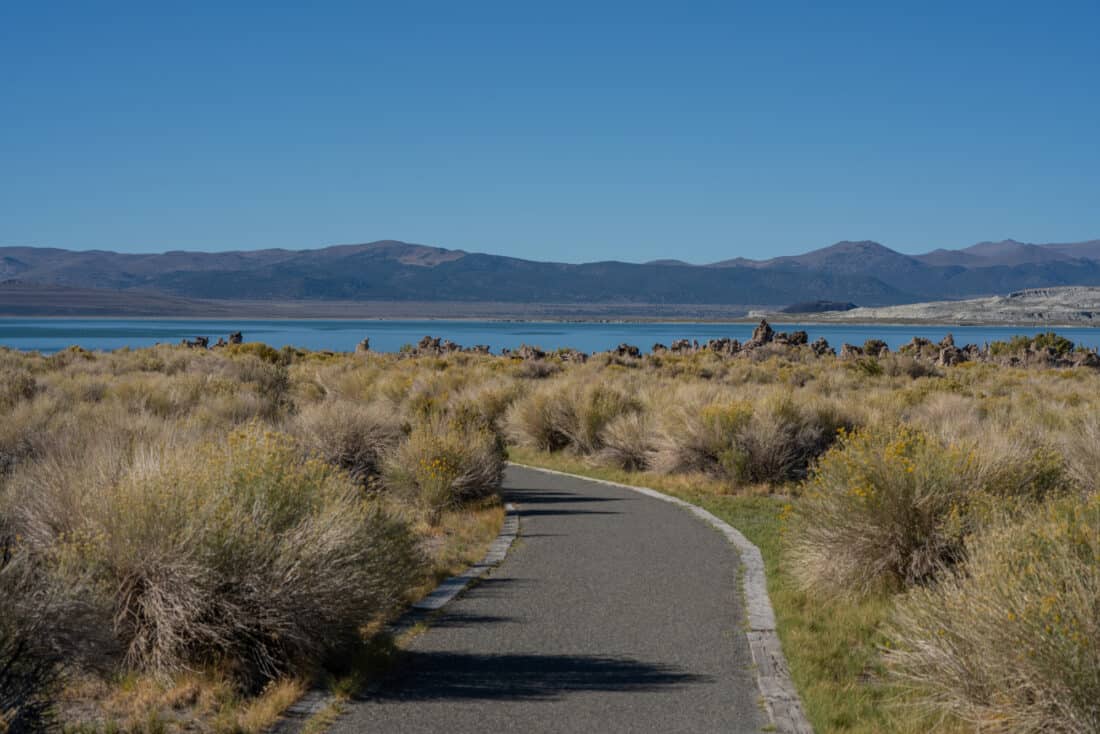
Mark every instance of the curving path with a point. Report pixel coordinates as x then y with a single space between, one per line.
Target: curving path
613 612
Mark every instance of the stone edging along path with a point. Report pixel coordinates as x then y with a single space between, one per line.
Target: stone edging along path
773 677
315 700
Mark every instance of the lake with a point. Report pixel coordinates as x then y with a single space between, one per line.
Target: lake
50 335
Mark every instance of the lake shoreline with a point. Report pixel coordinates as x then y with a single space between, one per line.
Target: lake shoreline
51 334
771 318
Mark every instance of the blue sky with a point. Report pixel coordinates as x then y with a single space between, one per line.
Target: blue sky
563 131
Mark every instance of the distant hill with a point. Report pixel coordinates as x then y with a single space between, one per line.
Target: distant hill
1006 252
863 272
1074 306
399 271
984 269
818 307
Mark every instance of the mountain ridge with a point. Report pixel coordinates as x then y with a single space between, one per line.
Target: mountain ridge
861 271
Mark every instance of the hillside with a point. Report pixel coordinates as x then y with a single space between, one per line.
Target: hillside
866 273
396 271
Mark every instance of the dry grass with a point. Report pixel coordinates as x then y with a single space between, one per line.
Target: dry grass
207 700
1079 446
110 466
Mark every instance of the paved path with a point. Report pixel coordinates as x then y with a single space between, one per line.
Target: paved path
613 612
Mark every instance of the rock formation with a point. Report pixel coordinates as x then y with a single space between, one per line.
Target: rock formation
850 351
821 347
762 334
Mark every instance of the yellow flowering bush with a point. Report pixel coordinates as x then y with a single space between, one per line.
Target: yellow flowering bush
891 508
885 508
444 461
1012 643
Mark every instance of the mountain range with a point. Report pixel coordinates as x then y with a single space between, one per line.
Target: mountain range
865 273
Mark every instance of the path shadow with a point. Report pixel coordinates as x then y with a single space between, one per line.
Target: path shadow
524 512
535 497
496 587
459 619
424 676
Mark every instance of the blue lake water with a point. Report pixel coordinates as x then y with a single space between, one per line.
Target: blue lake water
49 335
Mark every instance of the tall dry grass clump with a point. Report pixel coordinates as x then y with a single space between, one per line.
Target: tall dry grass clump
697 427
235 550
353 436
1011 643
784 437
25 431
537 421
570 412
446 461
29 667
628 442
43 629
773 439
1081 448
16 385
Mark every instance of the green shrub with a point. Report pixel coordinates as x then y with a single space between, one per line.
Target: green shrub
1012 643
904 365
874 347
869 366
591 409
261 351
271 382
1019 343
24 430
487 403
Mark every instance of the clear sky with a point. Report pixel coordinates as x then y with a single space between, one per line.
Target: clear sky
549 130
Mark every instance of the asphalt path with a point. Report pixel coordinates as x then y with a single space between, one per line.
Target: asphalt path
613 612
